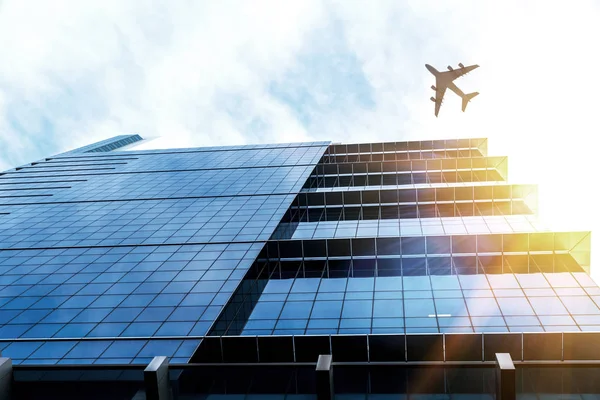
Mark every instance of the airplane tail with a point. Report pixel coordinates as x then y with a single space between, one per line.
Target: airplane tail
466 98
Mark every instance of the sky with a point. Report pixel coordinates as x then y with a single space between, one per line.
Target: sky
197 73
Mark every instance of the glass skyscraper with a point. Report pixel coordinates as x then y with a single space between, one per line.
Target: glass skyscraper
267 256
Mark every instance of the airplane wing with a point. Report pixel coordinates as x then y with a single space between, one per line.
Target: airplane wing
457 73
439 97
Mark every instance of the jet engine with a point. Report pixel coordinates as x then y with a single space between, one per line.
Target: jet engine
460 65
432 99
450 68
433 87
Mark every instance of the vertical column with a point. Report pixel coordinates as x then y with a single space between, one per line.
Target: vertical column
6 377
324 373
505 377
156 379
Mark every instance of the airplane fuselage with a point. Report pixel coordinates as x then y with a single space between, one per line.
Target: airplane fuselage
442 81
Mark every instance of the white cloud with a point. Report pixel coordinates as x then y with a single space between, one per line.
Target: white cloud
201 73
96 69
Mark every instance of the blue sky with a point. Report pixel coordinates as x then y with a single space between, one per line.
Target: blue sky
230 72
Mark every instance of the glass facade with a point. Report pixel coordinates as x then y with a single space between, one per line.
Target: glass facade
385 252
454 248
97 247
422 304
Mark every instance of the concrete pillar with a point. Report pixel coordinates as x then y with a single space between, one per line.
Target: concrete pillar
506 388
6 378
324 373
156 379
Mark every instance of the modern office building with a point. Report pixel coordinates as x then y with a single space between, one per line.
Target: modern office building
413 264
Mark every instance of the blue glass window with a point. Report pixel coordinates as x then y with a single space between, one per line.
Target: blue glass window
451 307
260 324
55 349
20 350
62 315
296 309
160 347
108 329
388 308
138 300
92 315
200 329
327 309
186 349
333 285
267 310
473 281
323 324
482 307
124 348
430 322
13 331
454 321
155 314
141 329
419 308
357 309
88 349
187 313
175 329
305 285
417 283
108 301
292 324
197 299
123 314
30 317
171 299
79 301
355 323
388 323
360 284
74 330
444 282
42 331
488 321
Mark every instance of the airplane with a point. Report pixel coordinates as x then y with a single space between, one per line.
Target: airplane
444 80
